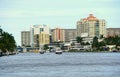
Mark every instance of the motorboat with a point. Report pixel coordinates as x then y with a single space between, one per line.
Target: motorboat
42 51
58 51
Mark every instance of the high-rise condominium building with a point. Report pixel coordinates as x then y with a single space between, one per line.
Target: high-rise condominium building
91 26
36 33
58 35
44 38
66 34
25 38
70 34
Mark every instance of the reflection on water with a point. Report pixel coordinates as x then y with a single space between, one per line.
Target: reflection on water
64 65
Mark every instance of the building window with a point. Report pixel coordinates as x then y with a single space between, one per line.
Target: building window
41 29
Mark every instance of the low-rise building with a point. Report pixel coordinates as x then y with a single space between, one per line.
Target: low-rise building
113 32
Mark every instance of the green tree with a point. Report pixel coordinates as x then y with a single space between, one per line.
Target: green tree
95 43
7 42
87 43
79 39
45 47
101 36
101 44
118 43
111 40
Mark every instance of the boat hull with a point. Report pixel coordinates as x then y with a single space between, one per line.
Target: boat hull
58 52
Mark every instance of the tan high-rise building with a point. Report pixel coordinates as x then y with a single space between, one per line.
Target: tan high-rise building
25 38
91 26
68 34
44 38
58 35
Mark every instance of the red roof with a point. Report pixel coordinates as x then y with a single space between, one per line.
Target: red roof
91 17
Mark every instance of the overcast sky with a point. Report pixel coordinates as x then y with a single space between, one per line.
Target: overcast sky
18 15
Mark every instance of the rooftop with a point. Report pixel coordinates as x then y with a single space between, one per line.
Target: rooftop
91 18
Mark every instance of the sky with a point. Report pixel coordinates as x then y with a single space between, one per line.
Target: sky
19 15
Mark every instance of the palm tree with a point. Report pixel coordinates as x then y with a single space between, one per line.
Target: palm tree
95 42
7 42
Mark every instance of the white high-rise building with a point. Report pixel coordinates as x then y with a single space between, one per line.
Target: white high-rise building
35 31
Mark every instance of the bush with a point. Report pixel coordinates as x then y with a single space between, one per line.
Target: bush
73 50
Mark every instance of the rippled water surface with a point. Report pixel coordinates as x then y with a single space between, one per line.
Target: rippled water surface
65 65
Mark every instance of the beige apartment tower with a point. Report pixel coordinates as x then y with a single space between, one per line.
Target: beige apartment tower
25 38
91 26
58 35
66 34
44 38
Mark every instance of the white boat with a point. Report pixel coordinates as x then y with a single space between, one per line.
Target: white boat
42 51
58 51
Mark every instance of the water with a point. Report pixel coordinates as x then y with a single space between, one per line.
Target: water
65 65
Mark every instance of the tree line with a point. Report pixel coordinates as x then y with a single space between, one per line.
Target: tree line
100 45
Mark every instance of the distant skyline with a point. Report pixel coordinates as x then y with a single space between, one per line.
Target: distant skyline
18 15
